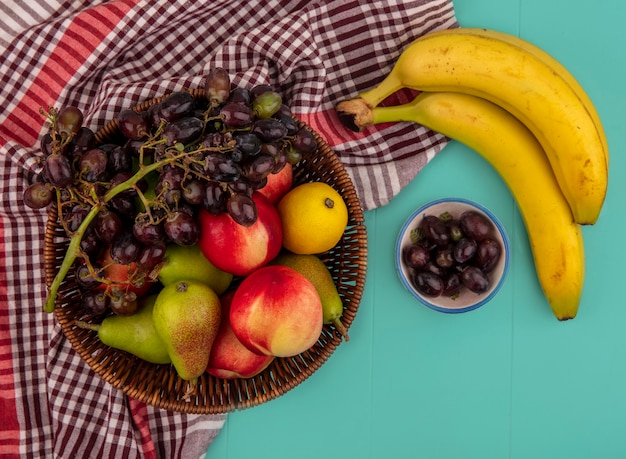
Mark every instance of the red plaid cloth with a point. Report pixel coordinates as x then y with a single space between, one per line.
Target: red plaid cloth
105 56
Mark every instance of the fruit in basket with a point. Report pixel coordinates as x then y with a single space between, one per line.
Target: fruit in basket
314 269
555 238
189 263
229 358
135 334
523 80
314 217
187 317
238 249
278 184
276 311
124 276
179 154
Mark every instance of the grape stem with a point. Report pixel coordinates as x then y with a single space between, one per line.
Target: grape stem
74 250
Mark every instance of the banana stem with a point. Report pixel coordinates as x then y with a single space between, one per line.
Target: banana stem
384 89
406 112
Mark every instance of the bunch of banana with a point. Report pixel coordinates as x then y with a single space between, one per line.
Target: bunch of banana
522 79
528 117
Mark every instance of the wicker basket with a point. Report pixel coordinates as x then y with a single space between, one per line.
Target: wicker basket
159 385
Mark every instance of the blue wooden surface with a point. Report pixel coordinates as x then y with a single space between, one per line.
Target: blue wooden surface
507 380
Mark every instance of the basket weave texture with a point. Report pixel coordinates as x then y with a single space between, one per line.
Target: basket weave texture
159 385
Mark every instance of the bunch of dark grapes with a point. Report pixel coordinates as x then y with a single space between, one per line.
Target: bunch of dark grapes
447 254
133 195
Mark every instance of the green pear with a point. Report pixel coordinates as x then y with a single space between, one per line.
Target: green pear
134 333
314 269
187 317
189 263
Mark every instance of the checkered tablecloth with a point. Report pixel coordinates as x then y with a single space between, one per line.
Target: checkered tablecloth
103 56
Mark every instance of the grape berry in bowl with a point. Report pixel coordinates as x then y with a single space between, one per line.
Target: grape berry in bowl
452 255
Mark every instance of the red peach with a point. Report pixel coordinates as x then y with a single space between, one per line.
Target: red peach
276 311
238 249
278 184
229 358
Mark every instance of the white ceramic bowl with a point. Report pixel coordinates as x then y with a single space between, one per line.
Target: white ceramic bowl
466 300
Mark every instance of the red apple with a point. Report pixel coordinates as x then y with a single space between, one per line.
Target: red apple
276 311
278 184
229 358
238 249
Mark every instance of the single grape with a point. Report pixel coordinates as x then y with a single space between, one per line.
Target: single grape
58 170
242 209
292 155
90 245
258 167
177 105
148 233
193 191
488 254
236 115
92 165
85 278
38 195
267 104
182 228
85 139
221 167
215 198
119 159
239 96
107 226
75 216
280 161
169 184
416 256
125 249
259 89
123 303
132 124
217 86
474 279
269 130
241 186
444 257
289 122
454 229
285 110
452 285
248 143
304 141
435 268
476 225
69 120
183 130
428 283
46 144
151 255
434 230
464 250
94 302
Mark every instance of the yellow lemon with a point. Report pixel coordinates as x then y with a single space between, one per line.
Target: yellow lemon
314 218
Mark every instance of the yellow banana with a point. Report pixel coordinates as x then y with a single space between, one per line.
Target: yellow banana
540 93
502 140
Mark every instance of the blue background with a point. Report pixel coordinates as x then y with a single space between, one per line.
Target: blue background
507 380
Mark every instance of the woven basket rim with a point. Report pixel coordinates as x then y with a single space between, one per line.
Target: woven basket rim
159 385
